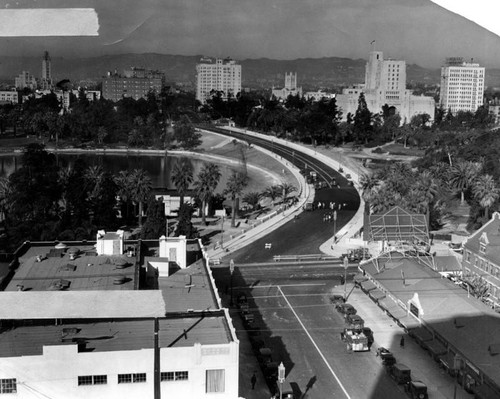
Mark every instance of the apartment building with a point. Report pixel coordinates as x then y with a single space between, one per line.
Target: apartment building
134 83
462 85
9 97
217 75
25 80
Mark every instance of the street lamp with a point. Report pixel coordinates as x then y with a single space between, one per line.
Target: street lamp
335 225
346 265
281 378
231 270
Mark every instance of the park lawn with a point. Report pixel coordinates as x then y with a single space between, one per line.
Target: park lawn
399 149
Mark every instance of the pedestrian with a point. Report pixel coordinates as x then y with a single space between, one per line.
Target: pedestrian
402 342
253 380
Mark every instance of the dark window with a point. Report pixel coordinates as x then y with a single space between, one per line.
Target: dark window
85 380
167 376
124 378
139 377
8 385
100 379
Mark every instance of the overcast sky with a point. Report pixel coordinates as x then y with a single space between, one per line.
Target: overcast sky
417 31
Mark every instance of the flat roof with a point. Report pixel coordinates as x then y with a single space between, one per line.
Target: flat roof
115 335
87 272
81 304
462 320
98 337
188 289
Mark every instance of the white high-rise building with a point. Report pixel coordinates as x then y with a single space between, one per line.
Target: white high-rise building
212 75
462 85
385 84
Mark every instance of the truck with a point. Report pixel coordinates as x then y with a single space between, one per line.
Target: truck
355 340
399 373
416 390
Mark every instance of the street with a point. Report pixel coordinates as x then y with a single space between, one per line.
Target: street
293 317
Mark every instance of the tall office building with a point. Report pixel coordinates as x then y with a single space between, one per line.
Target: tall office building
462 85
385 84
46 80
217 75
135 83
25 80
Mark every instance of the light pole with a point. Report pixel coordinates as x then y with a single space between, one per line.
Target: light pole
346 265
222 234
335 226
231 270
281 378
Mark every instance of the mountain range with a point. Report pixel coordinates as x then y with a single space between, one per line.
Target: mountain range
312 73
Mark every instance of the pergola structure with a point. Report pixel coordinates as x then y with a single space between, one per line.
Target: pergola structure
402 232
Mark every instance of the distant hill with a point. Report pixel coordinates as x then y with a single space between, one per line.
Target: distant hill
263 72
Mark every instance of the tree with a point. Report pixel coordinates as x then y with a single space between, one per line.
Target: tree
235 185
362 121
141 186
369 185
124 184
184 225
156 220
286 189
186 135
252 199
486 192
205 185
272 192
462 175
182 176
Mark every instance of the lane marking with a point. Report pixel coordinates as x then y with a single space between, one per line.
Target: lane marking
314 343
287 285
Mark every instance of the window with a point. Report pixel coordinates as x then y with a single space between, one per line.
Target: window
139 377
8 385
174 376
482 248
124 378
92 379
215 381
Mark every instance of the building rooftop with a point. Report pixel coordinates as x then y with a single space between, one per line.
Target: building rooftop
462 320
81 304
57 271
188 289
489 236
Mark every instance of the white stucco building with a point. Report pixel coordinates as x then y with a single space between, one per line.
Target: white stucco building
385 83
223 75
76 325
462 85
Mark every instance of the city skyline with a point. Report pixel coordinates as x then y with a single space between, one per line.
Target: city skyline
426 33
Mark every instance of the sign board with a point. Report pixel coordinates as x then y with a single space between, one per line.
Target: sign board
346 262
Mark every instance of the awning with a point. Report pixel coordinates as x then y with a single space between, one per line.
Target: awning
485 392
392 308
447 360
359 278
367 286
436 348
376 294
421 334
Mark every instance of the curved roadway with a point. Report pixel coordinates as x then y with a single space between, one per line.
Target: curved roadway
304 234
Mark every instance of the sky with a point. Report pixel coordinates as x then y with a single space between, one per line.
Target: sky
418 31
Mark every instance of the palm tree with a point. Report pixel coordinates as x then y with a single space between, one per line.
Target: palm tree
462 174
140 189
369 185
182 177
286 189
486 192
235 185
205 185
252 199
272 192
123 181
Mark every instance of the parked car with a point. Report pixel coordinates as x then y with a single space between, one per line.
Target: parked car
337 299
416 390
346 309
400 373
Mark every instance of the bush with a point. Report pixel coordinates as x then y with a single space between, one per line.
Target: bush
378 150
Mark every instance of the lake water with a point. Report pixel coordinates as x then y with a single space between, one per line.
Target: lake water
158 167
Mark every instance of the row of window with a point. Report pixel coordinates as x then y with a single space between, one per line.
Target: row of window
8 385
215 380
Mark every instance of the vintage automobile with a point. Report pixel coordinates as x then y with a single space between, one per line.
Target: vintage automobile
399 373
346 309
416 390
